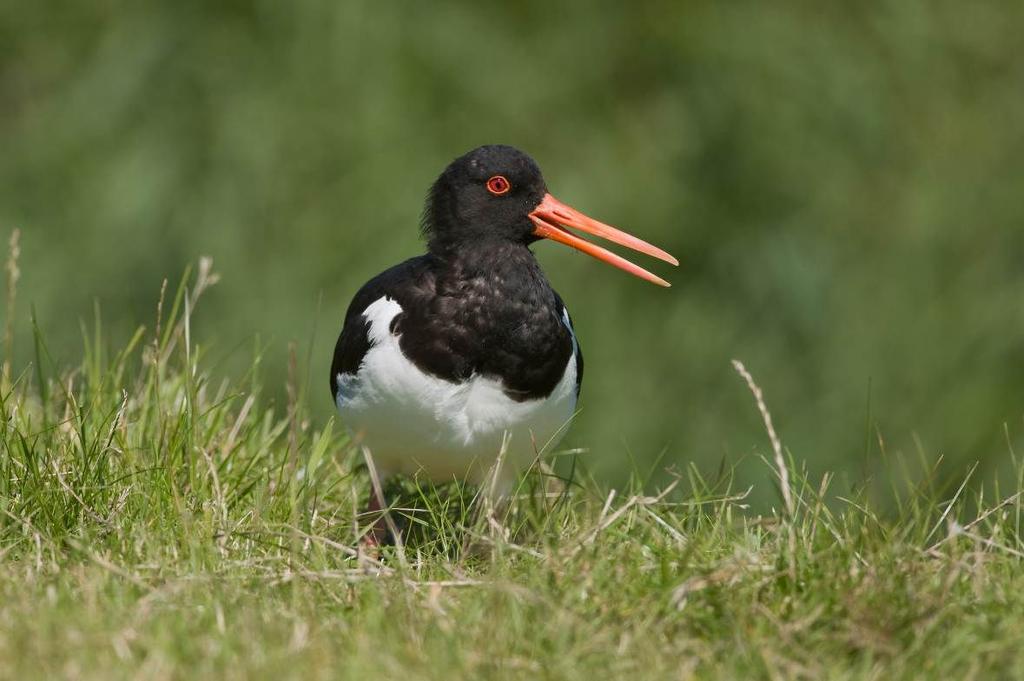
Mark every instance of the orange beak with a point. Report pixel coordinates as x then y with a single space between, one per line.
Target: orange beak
552 217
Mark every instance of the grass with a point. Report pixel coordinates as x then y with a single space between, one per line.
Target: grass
156 523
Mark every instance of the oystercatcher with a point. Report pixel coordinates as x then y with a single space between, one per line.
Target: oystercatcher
442 355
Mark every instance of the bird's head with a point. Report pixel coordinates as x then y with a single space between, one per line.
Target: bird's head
498 192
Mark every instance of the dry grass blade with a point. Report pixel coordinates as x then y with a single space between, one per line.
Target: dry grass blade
780 460
13 274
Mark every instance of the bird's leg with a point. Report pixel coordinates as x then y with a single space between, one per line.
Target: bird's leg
377 535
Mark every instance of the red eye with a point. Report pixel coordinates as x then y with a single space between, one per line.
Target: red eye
498 185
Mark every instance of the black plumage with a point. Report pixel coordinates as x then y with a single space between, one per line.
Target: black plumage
488 312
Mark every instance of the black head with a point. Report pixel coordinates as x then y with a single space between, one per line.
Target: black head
497 194
485 194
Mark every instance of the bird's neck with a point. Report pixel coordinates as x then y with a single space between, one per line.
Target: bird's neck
485 255
500 266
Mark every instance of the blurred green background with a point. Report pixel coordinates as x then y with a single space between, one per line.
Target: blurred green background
842 183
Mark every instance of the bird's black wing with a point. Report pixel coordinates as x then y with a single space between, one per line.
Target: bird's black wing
577 351
354 342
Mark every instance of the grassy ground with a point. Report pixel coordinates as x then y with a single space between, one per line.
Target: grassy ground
156 523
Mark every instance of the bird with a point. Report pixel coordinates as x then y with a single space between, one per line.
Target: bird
464 354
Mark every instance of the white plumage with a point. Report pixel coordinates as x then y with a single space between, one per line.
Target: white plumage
413 422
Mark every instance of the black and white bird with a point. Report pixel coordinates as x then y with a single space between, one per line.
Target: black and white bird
442 355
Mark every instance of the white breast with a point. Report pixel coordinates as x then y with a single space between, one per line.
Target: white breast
416 423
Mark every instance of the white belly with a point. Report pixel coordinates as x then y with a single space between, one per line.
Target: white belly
416 423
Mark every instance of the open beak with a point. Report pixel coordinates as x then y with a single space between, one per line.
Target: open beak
552 218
